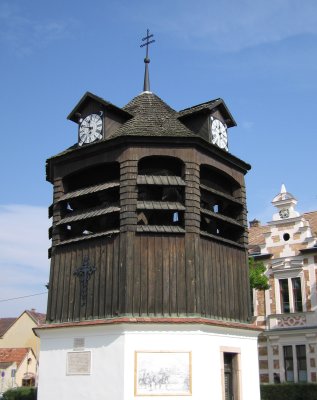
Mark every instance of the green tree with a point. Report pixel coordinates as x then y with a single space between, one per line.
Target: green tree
258 280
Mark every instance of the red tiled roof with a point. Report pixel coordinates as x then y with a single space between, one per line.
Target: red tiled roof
5 324
256 234
312 219
13 355
38 318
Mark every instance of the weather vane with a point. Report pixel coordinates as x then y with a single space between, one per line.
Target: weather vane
146 85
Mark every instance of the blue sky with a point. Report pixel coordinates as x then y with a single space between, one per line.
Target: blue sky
259 56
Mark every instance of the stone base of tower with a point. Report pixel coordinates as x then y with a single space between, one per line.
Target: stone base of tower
129 358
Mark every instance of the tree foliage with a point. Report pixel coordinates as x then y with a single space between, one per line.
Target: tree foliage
289 391
20 393
258 280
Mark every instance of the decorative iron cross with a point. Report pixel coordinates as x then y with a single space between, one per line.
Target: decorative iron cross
146 84
84 273
147 37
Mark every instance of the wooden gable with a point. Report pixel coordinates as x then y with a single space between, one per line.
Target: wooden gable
197 118
113 116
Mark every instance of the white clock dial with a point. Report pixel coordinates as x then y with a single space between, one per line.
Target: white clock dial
90 129
219 134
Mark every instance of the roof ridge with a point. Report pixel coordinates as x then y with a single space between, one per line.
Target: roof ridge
310 212
5 324
149 94
200 104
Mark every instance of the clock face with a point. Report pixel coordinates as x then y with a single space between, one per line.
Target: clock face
90 129
219 135
284 213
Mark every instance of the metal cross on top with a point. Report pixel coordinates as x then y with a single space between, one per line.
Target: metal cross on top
84 273
146 85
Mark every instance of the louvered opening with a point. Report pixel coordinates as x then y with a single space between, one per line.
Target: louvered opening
89 226
161 192
90 204
160 165
161 218
103 199
91 176
221 205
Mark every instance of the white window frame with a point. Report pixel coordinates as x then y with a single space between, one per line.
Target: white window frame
295 364
237 372
289 276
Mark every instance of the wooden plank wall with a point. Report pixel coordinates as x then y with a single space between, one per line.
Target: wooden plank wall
103 289
156 275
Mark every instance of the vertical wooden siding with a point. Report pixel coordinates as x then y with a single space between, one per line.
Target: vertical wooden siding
150 275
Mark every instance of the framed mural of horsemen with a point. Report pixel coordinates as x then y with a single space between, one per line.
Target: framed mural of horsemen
163 373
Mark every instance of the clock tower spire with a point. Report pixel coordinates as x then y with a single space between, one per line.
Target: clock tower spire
146 85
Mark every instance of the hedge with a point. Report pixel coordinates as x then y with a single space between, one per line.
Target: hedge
20 393
289 391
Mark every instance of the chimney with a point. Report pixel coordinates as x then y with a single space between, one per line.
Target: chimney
255 223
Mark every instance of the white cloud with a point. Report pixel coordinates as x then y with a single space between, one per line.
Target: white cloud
24 266
232 25
23 34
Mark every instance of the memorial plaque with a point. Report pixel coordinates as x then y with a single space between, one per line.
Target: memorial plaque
78 363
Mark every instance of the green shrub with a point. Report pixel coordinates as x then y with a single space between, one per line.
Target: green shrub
289 391
21 393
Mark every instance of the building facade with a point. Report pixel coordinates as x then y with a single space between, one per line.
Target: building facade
288 310
19 349
18 332
18 367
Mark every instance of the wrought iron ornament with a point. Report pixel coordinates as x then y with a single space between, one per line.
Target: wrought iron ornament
84 274
146 85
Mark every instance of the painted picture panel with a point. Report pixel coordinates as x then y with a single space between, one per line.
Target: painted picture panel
163 373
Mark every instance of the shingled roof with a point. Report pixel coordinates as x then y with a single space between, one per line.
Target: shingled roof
90 96
207 107
151 117
147 115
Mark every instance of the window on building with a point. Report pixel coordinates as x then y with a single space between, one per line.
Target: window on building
231 375
285 306
297 294
295 371
288 363
301 363
291 295
228 371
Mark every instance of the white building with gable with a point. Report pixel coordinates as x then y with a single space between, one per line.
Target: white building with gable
288 310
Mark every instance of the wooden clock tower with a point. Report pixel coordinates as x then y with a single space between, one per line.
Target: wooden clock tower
148 289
